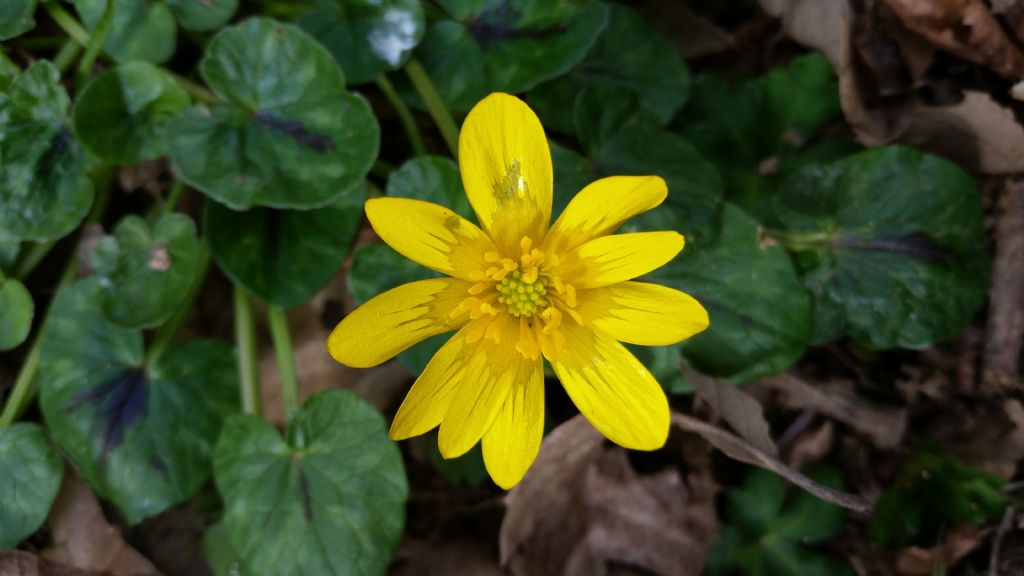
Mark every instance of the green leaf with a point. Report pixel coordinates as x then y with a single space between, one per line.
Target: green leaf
760 313
367 38
30 476
506 46
664 364
8 252
145 274
890 243
433 179
466 470
139 29
119 114
44 192
288 135
16 18
221 557
377 268
8 71
203 15
16 311
631 54
619 138
284 256
141 436
328 500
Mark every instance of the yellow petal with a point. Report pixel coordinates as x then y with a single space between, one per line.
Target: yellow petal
506 170
511 444
430 234
641 313
427 401
395 320
602 207
612 259
491 371
612 389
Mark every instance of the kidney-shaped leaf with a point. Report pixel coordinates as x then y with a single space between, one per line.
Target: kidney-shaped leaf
44 192
329 500
433 179
146 273
202 15
141 436
367 38
890 242
16 311
30 475
507 46
139 29
16 18
289 134
284 256
118 115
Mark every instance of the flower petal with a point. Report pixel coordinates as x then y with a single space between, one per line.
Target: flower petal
430 234
641 313
492 369
506 170
428 399
612 259
511 444
395 320
612 389
602 207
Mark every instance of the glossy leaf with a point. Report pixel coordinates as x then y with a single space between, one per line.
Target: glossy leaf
367 38
44 192
16 311
631 54
284 256
753 333
433 179
30 476
16 18
8 252
890 242
506 46
145 274
141 436
202 15
139 29
119 114
8 71
288 134
336 478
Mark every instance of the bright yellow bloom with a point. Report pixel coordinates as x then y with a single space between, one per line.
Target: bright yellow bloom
518 291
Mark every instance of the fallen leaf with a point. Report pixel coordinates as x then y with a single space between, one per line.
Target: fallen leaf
815 23
17 563
447 556
583 509
83 538
740 410
960 541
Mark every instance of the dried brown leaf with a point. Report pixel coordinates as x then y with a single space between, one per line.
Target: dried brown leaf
1005 335
740 410
814 23
961 540
17 563
447 556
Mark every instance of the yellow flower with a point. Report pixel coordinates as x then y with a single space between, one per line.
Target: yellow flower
519 291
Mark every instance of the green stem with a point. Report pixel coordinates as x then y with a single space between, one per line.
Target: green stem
173 196
195 90
799 241
165 335
92 50
66 56
285 359
404 115
245 338
31 258
432 100
67 23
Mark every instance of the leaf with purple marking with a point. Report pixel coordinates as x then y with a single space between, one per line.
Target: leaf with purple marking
335 478
287 133
141 436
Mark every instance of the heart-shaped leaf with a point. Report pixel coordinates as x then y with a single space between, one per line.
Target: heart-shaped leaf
367 38
145 274
506 46
118 115
433 179
16 18
16 310
44 192
141 436
890 242
139 29
284 256
336 479
202 15
30 475
288 135
753 332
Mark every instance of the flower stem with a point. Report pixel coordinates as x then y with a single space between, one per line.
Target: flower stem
92 50
66 56
404 115
245 339
31 258
67 23
165 335
285 359
198 92
438 111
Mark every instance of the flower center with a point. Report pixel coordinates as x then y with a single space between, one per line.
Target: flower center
522 296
